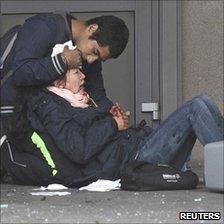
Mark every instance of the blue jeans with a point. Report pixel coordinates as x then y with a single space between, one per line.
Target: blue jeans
173 140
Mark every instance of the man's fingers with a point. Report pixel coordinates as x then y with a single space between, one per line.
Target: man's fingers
73 58
77 56
78 51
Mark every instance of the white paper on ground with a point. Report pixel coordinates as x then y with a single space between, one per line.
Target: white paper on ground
102 185
4 205
51 187
50 193
58 48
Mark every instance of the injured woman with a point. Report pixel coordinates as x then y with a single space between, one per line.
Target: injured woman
60 136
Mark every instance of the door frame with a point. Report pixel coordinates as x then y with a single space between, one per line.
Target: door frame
157 44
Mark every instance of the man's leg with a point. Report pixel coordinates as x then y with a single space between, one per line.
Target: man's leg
165 143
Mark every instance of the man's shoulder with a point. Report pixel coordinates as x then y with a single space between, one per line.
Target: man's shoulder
56 21
51 17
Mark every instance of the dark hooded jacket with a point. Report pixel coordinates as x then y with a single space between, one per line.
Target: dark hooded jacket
87 138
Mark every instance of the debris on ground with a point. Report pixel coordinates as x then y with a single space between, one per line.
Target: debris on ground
50 193
4 205
51 187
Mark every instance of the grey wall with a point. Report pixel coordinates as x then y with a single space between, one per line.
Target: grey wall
202 53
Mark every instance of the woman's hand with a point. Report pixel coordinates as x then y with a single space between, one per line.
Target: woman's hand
121 117
120 123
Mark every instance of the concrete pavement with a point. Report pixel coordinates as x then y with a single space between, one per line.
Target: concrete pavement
107 207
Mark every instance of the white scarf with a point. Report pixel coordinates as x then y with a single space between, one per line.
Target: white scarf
79 99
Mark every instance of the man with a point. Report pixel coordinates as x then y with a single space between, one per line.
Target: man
96 40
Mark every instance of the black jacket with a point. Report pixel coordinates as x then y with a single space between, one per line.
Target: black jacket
33 65
88 137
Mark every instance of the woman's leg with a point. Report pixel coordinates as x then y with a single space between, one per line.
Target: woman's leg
173 140
213 109
218 118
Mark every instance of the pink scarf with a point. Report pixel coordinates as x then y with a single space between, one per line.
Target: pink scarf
79 99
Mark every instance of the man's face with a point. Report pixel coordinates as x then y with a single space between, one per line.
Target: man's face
91 51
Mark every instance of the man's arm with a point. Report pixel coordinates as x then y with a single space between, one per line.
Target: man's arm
95 86
32 62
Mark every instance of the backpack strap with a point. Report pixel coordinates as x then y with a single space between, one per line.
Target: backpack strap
7 41
5 78
8 49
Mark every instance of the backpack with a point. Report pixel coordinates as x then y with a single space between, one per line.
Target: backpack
8 39
144 176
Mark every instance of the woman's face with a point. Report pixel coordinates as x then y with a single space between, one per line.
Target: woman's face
75 80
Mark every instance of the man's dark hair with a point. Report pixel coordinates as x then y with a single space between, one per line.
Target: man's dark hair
112 32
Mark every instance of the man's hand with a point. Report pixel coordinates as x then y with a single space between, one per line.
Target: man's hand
72 58
122 118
